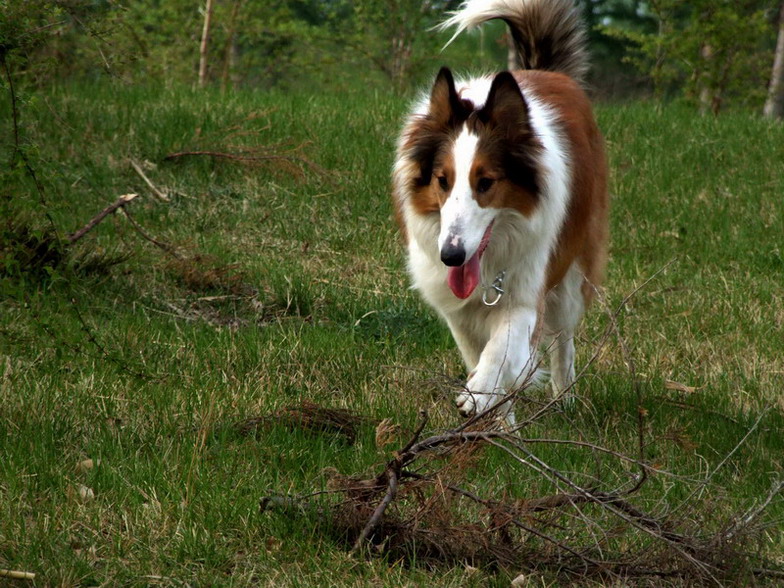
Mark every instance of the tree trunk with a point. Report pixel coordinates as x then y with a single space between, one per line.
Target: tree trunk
205 41
774 105
706 91
234 60
230 50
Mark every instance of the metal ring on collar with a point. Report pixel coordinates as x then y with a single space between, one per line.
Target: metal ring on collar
494 287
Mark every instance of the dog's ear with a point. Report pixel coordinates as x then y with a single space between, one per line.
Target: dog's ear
446 107
505 106
505 115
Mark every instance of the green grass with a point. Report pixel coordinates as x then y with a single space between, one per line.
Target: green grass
124 355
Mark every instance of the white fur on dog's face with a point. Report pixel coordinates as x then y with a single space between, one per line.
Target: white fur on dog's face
463 221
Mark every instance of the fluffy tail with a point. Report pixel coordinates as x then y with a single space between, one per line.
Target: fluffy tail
548 34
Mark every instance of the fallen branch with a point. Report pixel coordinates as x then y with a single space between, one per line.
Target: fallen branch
392 474
434 529
379 512
119 203
686 547
753 513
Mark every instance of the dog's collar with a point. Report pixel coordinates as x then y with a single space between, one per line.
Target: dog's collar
492 294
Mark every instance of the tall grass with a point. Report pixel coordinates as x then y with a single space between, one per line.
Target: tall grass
146 365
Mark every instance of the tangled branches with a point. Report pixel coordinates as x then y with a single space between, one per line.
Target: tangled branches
414 509
595 505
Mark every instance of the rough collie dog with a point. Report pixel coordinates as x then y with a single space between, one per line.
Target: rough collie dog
500 191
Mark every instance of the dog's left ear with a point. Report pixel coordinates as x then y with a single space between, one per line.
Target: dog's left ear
505 105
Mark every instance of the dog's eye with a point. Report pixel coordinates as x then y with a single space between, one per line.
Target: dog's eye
442 181
484 184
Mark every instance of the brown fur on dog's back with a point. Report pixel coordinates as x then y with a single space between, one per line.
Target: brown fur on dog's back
584 233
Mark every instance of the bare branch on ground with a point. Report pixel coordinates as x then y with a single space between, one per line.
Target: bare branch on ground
93 222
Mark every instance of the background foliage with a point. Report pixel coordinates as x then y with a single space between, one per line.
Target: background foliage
712 52
716 52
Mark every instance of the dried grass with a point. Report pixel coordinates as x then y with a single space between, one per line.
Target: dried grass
310 417
241 144
204 273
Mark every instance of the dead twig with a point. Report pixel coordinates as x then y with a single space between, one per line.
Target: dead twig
160 244
417 433
379 512
155 190
580 526
753 513
392 474
688 406
119 203
704 482
684 546
365 517
17 575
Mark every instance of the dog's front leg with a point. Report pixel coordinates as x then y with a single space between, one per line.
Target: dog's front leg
505 363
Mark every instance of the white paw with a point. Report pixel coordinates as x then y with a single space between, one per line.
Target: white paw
473 403
470 403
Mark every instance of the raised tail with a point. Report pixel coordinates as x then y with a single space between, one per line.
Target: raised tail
548 34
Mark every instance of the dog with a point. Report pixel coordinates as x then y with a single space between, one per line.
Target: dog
500 191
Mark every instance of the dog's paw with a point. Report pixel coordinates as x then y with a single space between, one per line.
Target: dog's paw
470 403
466 402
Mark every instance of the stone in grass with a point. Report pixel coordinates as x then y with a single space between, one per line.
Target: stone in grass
520 581
85 493
86 465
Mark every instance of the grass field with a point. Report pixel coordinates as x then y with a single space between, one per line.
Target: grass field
284 282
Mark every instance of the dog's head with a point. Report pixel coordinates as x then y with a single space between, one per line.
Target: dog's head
473 161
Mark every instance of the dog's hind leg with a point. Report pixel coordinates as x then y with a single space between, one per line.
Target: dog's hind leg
564 307
562 363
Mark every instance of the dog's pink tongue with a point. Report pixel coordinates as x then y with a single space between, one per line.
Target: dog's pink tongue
464 279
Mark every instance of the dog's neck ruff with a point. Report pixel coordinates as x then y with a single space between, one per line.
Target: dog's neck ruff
492 294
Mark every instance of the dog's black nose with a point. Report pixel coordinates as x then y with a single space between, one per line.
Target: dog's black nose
452 255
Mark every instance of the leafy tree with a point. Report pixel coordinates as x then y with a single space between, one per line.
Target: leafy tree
610 73
392 35
711 51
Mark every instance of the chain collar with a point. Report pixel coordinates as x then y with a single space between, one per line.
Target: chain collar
492 294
